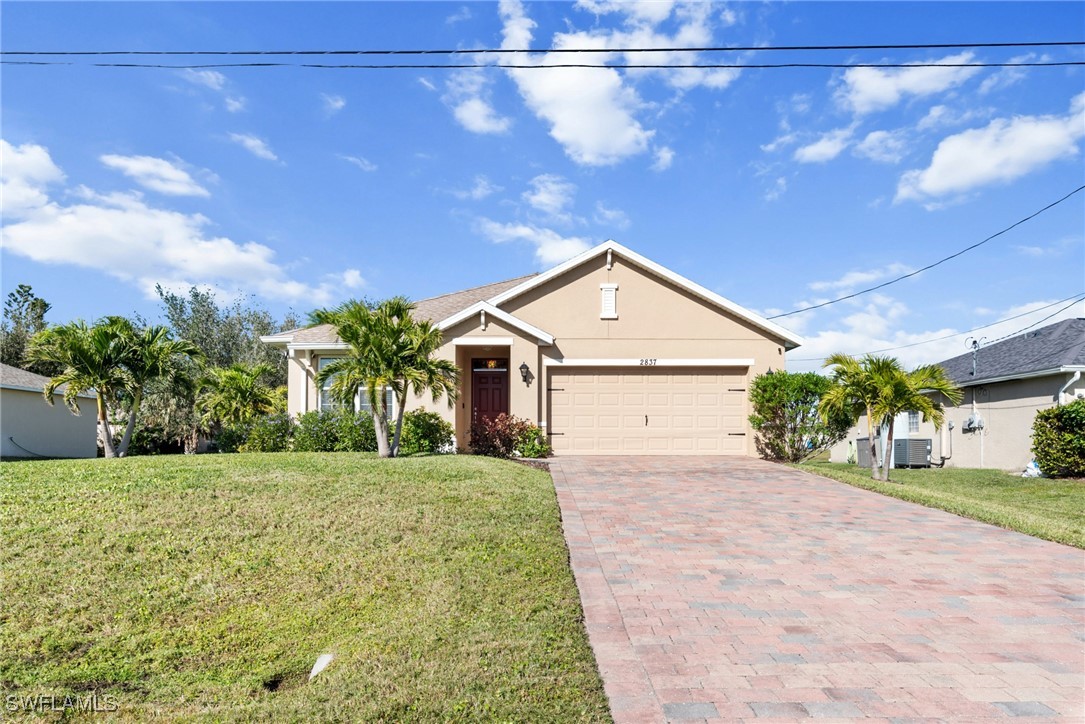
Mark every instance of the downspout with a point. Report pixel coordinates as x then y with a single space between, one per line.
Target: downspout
942 444
1062 390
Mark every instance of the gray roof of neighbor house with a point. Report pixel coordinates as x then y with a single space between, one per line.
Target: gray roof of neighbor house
433 309
13 378
1045 349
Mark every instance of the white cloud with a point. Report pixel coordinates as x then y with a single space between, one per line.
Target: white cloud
591 113
550 247
826 148
464 13
614 218
123 236
25 173
207 78
467 93
1000 152
778 189
849 281
352 279
865 90
651 12
235 104
256 146
156 174
427 84
333 103
883 146
550 194
478 191
362 163
1009 76
942 116
664 158
784 139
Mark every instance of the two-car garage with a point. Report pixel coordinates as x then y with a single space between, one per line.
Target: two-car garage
650 409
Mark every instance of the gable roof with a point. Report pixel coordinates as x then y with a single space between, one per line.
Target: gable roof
435 309
1055 348
544 337
13 378
791 340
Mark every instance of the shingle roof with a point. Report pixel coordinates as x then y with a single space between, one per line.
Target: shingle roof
19 379
1057 345
434 309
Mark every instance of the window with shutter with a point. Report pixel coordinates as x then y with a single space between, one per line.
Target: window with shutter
610 301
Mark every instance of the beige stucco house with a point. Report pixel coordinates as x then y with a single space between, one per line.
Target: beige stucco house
1012 380
31 428
610 353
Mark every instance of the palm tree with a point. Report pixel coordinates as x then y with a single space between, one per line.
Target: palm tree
388 350
151 353
901 391
92 359
882 388
236 394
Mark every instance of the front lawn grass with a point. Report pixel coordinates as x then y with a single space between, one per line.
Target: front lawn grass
1050 509
206 587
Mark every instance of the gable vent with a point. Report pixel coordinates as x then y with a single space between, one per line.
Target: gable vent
610 301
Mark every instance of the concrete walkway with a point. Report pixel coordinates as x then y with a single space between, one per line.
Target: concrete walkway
724 589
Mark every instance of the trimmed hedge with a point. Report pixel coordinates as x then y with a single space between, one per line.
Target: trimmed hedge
1058 440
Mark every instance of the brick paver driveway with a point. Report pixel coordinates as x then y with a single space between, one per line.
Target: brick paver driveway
726 589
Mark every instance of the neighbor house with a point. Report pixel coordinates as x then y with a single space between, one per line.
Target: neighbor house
31 428
610 353
1010 382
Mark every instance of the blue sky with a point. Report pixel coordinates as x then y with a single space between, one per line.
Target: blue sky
776 188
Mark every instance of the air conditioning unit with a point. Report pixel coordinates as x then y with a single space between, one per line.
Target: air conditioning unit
912 453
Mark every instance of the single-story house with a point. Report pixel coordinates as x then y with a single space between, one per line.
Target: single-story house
609 352
1012 380
31 428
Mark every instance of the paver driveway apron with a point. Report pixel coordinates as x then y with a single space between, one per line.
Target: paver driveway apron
730 588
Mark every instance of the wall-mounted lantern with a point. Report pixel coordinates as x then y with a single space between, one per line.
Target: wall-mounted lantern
524 371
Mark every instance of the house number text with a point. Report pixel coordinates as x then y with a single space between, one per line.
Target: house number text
648 362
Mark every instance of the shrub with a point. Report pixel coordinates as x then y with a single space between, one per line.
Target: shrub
270 433
786 419
426 432
317 432
507 436
355 432
231 438
1058 440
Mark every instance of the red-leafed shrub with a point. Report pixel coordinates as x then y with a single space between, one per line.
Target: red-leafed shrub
508 436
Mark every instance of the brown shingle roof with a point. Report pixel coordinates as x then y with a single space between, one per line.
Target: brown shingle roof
433 309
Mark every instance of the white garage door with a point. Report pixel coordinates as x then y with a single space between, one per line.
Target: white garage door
659 411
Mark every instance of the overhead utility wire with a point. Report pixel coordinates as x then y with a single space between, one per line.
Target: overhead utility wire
1025 329
511 51
1014 225
1073 300
542 66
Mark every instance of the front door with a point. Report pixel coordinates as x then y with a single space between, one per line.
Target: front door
489 388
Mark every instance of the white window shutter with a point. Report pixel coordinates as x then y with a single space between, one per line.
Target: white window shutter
610 301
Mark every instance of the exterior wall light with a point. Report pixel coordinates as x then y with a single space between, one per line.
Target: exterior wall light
524 371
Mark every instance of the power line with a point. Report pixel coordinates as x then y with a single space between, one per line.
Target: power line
1073 300
937 263
513 51
544 66
1025 329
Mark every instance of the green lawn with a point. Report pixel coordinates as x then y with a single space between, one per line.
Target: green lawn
1051 509
205 587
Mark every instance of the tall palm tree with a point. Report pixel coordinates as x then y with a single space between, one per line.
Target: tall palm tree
92 359
388 349
900 391
150 353
235 394
856 390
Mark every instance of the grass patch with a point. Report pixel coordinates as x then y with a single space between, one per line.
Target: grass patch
205 587
1049 509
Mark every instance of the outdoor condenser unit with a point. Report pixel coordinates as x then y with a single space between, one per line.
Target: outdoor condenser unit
912 453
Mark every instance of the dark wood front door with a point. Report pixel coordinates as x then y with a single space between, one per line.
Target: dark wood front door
489 389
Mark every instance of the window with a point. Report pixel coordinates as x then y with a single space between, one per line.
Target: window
326 401
913 422
610 301
361 402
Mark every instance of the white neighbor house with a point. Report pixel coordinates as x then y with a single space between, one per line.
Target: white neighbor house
31 428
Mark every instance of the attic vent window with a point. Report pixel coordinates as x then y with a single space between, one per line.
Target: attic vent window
610 301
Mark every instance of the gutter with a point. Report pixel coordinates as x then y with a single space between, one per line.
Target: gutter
1073 378
1022 376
